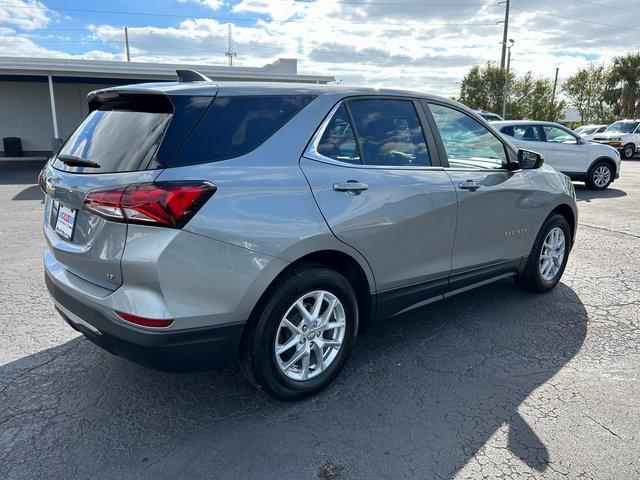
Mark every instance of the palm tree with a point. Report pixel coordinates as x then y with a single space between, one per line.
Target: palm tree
625 73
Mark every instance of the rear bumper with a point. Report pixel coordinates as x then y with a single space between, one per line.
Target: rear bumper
185 350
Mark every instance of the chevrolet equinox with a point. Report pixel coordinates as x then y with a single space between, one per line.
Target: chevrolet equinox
192 224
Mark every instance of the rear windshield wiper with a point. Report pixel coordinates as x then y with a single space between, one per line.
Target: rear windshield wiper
74 161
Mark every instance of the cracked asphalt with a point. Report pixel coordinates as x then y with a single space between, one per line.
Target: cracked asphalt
495 383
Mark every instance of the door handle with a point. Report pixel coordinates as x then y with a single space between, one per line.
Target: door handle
351 186
469 185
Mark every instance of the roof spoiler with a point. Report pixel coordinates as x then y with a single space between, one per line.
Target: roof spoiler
191 76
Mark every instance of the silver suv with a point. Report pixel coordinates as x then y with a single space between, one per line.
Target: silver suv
193 224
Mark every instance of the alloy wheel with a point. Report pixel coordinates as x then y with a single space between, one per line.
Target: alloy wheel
601 176
552 254
310 335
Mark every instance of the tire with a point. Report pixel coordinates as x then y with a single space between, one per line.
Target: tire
260 363
532 278
628 151
600 175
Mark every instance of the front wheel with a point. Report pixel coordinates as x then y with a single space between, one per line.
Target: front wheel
600 176
628 151
548 257
302 334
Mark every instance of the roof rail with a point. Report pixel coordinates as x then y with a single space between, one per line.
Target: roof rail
191 76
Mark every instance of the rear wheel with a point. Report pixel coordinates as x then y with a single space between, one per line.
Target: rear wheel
628 151
548 257
600 176
302 335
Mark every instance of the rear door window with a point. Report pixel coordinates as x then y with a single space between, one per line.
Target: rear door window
233 126
389 132
338 141
528 133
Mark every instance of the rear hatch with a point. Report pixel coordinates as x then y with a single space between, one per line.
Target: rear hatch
127 138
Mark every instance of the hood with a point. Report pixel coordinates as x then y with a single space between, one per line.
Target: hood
608 134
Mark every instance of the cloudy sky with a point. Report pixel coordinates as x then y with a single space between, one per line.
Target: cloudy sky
424 45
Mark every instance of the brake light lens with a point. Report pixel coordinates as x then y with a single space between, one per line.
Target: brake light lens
164 204
145 322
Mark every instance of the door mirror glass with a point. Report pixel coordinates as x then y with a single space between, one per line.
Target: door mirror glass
529 160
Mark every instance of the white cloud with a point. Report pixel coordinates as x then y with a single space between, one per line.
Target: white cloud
25 14
406 44
212 4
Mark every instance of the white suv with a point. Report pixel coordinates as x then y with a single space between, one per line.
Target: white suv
596 165
589 131
623 135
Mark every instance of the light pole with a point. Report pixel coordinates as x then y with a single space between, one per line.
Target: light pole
506 80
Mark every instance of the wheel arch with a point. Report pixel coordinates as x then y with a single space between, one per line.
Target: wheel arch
567 212
337 260
604 158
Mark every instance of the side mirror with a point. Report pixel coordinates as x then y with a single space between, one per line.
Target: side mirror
529 160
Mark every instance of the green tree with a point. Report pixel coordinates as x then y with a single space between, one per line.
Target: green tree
528 97
585 91
578 90
624 85
483 87
534 99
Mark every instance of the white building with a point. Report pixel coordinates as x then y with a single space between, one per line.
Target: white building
43 99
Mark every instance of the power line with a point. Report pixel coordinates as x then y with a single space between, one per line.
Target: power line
604 5
572 19
564 35
85 11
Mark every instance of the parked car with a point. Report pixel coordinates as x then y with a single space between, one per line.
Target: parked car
489 116
624 135
596 165
188 225
588 131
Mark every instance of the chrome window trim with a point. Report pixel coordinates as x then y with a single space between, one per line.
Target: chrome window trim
312 150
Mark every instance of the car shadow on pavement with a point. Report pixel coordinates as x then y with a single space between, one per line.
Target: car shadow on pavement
16 172
584 194
422 394
30 193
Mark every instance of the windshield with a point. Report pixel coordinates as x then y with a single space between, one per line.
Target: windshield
579 130
622 127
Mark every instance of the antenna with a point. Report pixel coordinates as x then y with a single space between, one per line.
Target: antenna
230 52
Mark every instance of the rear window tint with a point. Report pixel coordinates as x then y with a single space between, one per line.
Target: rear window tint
233 126
121 135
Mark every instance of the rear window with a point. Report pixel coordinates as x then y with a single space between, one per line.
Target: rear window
233 126
120 135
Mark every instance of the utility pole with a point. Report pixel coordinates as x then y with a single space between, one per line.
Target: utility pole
505 32
230 53
553 97
505 95
126 43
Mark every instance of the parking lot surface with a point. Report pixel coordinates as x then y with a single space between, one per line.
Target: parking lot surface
492 383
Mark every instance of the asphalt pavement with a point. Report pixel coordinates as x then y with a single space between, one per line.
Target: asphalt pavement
492 383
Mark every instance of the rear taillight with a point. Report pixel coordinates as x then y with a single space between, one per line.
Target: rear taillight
165 204
41 181
145 322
